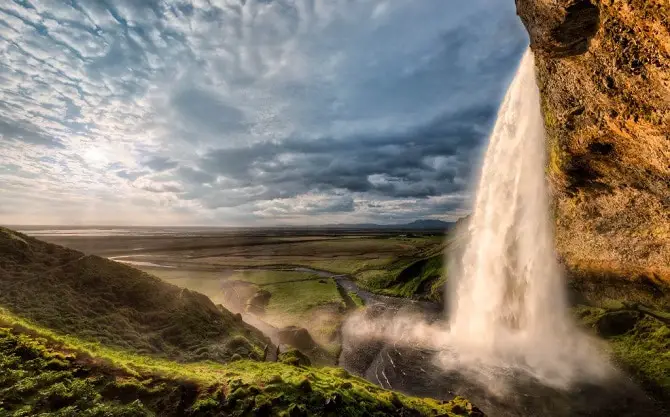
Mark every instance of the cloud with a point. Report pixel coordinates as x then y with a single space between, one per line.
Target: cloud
160 163
305 205
29 134
248 112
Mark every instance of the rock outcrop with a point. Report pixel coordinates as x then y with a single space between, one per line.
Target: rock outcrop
297 337
604 75
559 28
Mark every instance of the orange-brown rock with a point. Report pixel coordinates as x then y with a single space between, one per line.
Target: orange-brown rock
606 101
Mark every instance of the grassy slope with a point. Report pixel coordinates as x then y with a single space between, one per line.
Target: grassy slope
298 298
408 277
640 343
47 374
110 303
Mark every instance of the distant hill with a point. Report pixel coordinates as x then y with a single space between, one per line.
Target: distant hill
427 224
422 224
108 302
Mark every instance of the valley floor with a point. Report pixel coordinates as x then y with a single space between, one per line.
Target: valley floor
314 280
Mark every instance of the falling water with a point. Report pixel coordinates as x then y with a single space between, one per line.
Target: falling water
508 321
508 342
507 303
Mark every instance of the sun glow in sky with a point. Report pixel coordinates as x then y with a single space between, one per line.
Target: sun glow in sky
247 112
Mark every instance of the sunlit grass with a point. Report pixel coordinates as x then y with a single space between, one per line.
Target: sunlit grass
42 372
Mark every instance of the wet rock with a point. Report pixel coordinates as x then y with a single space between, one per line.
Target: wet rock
296 411
305 386
263 410
333 402
395 401
294 357
297 337
559 28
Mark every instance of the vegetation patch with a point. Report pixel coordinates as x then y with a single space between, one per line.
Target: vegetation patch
408 277
45 374
297 298
639 341
113 304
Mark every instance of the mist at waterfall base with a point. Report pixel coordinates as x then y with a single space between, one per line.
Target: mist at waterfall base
507 310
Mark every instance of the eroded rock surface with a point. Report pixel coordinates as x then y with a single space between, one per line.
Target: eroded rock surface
559 28
607 112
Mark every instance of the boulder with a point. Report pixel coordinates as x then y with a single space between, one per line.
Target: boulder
294 357
257 303
297 337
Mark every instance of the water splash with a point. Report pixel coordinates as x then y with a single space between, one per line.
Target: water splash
507 301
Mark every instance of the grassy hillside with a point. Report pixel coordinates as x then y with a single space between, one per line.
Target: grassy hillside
639 339
103 301
51 375
280 298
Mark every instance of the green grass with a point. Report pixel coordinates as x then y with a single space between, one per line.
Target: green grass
346 265
412 279
298 298
357 299
48 374
407 277
262 278
641 346
113 304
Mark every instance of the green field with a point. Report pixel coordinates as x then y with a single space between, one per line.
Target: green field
639 340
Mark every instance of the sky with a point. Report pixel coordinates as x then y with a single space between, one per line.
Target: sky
248 112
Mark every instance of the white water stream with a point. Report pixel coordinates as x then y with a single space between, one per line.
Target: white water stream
507 320
507 303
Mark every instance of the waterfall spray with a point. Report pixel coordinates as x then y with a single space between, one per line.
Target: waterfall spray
511 282
507 320
507 303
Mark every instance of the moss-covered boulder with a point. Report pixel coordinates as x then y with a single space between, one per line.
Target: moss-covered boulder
294 357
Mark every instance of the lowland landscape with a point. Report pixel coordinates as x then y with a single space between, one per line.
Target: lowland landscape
85 335
144 321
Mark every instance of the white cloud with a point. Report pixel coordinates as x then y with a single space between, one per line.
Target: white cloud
90 92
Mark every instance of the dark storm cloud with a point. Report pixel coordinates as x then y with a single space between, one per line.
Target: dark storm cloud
426 161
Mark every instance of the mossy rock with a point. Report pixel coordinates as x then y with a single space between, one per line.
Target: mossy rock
294 357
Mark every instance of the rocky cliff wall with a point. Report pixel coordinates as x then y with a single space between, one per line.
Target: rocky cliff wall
604 75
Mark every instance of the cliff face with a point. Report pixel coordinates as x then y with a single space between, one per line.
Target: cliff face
604 75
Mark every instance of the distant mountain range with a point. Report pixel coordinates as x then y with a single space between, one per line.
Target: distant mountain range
423 224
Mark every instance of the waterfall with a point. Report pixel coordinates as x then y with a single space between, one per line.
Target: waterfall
507 322
507 304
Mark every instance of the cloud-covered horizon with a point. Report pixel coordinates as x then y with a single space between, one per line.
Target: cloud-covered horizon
256 112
